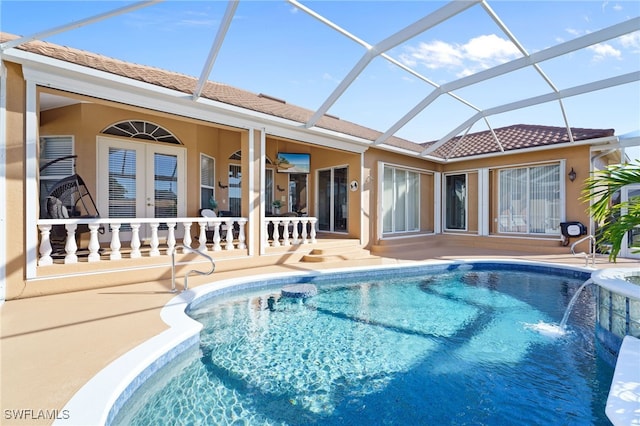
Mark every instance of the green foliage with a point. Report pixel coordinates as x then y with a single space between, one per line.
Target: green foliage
213 204
601 187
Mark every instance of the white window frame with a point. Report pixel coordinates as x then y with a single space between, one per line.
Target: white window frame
52 178
204 204
394 231
465 228
562 197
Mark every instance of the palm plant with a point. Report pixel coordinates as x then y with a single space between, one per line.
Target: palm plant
602 186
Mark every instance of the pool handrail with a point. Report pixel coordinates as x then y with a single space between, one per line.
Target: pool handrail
592 246
186 276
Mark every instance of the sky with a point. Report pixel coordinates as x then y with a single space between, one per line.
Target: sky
275 48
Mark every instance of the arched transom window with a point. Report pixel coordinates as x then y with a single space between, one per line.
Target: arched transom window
145 130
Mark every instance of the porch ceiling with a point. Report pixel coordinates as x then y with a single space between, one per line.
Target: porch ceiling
409 71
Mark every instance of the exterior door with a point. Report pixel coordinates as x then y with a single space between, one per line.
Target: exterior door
333 199
632 239
140 180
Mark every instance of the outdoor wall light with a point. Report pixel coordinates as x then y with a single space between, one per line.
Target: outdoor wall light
572 175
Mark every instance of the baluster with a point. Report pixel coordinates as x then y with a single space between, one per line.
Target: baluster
285 231
304 231
94 244
70 246
186 240
241 236
135 240
45 246
155 241
313 221
115 242
202 239
229 237
216 236
296 223
171 237
276 233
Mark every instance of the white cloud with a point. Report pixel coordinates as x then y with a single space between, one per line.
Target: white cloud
617 7
631 41
477 54
603 50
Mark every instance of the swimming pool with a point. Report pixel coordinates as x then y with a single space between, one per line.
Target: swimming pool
436 344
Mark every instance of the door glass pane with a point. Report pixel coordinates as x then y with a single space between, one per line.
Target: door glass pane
544 200
207 181
401 201
413 201
512 200
324 200
165 184
298 193
633 236
387 200
455 201
341 199
235 190
122 182
268 194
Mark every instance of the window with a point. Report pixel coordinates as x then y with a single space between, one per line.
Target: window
207 181
235 189
529 200
400 200
455 202
144 130
53 148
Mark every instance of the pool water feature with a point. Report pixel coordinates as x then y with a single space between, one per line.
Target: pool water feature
451 347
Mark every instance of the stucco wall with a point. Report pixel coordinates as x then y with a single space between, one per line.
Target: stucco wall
15 182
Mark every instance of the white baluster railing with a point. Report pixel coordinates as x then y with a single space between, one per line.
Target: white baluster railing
225 233
286 231
230 227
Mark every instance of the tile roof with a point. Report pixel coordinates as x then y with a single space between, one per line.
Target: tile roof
518 136
512 137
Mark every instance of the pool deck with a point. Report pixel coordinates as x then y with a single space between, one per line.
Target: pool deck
52 345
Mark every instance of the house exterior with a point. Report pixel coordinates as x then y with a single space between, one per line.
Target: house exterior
151 157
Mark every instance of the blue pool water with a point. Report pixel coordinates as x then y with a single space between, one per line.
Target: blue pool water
453 347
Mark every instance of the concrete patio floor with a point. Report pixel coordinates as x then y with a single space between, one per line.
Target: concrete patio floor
52 345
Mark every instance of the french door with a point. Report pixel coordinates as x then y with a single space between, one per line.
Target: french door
140 180
333 208
632 239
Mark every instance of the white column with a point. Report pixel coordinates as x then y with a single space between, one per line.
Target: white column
135 240
155 242
70 246
115 242
31 207
45 246
171 237
94 244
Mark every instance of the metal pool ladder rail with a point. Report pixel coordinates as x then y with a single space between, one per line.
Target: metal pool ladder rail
592 245
186 276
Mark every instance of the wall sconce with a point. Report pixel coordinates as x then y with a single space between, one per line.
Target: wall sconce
222 186
280 189
572 175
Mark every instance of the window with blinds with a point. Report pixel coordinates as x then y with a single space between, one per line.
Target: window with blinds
122 183
529 200
400 200
207 181
52 148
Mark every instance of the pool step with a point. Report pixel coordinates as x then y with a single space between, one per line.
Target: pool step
336 254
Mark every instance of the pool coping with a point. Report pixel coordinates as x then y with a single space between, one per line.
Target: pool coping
103 395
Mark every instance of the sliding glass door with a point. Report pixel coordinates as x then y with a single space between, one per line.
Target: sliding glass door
333 208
